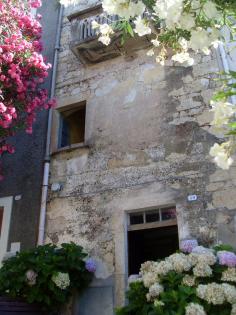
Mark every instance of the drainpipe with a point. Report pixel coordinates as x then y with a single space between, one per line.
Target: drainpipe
226 66
43 206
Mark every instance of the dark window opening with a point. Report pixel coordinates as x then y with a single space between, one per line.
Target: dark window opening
152 216
168 213
136 218
151 244
72 126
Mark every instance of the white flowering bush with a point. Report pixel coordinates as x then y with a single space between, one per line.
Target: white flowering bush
177 31
196 281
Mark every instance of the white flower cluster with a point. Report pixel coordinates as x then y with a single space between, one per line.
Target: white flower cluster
221 155
154 291
124 8
180 262
105 31
202 270
233 311
217 294
223 112
229 275
197 264
189 280
175 14
194 309
31 277
142 26
61 280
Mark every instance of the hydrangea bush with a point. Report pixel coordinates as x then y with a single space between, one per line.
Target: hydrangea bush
47 275
195 281
22 69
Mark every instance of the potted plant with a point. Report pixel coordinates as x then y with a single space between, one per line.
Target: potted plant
44 278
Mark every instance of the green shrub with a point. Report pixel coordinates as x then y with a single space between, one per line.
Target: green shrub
46 275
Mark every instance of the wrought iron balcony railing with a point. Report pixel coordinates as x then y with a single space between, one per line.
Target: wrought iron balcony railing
85 44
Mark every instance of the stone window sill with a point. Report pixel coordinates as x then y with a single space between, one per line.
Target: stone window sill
70 148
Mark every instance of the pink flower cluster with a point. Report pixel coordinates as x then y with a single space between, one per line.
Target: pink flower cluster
22 69
227 258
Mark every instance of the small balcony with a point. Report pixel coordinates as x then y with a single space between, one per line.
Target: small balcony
84 41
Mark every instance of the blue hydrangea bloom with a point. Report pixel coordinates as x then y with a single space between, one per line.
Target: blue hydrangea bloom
90 265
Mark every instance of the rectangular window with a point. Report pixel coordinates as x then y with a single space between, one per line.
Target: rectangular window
5 220
72 128
152 235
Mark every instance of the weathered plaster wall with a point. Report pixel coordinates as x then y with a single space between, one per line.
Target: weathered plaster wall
147 142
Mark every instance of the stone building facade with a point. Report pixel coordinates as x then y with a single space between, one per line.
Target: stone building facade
146 146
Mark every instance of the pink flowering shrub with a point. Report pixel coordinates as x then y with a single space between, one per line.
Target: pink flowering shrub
22 69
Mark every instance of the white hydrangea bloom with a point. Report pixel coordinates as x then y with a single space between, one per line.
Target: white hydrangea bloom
233 311
31 277
213 293
221 157
193 258
134 278
230 293
163 267
194 309
229 275
141 27
208 258
147 266
149 279
202 250
202 270
189 280
180 262
154 291
61 280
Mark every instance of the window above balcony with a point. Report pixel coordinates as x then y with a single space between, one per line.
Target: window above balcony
84 41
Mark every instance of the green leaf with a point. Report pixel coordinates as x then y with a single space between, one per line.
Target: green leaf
130 30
